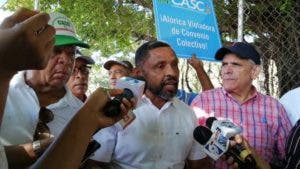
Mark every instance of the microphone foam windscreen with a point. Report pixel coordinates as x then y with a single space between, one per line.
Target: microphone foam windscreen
202 134
209 121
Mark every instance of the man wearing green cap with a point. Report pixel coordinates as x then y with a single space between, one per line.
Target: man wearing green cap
36 93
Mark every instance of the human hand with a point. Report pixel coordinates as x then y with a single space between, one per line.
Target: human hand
194 62
26 42
98 99
239 139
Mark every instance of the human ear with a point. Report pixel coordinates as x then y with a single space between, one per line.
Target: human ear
255 71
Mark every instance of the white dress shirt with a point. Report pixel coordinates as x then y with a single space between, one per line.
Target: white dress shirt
157 138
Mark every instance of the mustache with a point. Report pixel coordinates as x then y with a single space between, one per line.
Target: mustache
169 80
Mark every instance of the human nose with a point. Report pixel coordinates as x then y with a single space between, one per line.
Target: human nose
112 75
65 59
227 69
80 75
172 70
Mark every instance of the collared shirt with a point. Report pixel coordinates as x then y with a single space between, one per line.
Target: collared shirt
157 138
263 119
292 148
290 102
3 160
21 112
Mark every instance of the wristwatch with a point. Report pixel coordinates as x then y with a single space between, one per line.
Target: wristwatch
36 147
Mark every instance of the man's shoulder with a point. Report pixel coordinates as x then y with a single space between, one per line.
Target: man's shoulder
180 104
292 94
208 93
17 81
267 97
212 91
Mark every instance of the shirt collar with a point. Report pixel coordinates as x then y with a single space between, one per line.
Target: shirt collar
169 103
254 94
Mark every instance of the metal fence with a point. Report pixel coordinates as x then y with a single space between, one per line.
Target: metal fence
273 27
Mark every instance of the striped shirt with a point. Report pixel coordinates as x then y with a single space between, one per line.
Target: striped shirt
292 148
263 119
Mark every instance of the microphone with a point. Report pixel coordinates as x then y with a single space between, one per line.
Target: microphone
228 129
112 108
215 144
137 87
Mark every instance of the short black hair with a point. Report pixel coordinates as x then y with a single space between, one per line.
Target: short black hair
142 53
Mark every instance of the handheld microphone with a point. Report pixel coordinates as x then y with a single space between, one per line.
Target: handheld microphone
137 87
112 108
228 129
215 144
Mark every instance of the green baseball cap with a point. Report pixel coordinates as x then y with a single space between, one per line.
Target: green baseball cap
65 31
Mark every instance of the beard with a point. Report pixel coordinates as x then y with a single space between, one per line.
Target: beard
159 90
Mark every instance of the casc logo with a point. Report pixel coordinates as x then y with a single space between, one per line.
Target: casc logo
197 5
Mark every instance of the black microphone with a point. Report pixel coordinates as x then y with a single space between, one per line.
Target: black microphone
112 108
242 155
209 121
202 134
214 144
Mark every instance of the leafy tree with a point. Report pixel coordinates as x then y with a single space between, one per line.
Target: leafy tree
114 26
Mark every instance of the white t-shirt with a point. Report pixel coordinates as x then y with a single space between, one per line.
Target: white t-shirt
291 103
3 160
21 113
157 138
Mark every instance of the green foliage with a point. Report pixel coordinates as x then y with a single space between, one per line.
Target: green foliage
107 25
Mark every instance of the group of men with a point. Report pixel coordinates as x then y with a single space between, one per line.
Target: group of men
45 103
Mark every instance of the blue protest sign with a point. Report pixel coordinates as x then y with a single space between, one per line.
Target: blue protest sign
189 26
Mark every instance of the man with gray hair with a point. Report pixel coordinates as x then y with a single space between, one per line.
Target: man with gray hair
38 104
263 119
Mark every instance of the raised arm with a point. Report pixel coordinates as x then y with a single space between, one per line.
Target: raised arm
26 41
74 139
201 74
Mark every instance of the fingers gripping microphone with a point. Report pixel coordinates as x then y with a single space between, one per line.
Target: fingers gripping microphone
113 107
228 129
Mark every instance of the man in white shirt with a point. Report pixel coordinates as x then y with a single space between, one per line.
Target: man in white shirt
15 29
32 90
161 136
290 102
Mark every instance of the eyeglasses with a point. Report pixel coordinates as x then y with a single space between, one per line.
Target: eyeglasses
83 69
42 130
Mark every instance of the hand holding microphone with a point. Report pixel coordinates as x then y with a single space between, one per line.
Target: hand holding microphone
133 88
113 107
228 129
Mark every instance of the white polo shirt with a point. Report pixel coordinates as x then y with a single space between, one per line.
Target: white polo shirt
21 113
157 138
